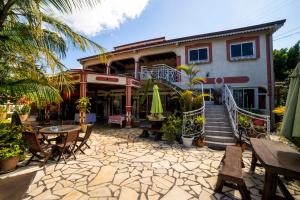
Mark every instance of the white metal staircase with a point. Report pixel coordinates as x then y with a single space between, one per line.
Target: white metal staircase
222 126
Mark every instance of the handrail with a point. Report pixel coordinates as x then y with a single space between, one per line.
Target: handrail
248 128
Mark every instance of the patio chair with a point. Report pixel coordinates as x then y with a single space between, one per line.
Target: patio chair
83 140
68 145
36 148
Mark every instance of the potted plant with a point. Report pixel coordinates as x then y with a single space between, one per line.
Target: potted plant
83 106
200 140
10 146
244 127
3 112
171 128
23 111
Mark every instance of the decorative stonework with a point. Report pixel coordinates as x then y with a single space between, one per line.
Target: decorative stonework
120 165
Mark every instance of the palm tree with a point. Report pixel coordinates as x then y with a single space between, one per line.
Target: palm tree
191 71
32 44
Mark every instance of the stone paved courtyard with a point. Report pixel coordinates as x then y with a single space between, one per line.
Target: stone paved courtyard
119 165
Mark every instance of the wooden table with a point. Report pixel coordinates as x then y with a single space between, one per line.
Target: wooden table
277 159
59 129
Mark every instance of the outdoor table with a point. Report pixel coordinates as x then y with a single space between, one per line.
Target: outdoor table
61 129
277 159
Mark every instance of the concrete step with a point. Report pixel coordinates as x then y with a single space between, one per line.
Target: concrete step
215 112
217 123
218 128
216 119
224 116
219 133
218 145
223 139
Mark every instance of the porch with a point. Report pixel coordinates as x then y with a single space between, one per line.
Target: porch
120 165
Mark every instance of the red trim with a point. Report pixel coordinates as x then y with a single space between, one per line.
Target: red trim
83 80
128 102
233 79
243 39
210 81
108 79
75 78
269 71
236 79
209 45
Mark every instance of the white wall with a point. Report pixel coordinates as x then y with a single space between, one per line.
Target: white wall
255 69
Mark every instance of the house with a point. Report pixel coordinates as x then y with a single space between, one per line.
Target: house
240 58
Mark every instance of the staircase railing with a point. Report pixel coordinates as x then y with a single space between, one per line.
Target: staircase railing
245 124
191 125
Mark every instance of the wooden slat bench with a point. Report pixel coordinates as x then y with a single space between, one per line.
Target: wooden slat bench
231 174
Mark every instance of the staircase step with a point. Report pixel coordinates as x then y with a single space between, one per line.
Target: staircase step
217 123
223 139
216 119
218 133
216 112
224 116
218 128
218 145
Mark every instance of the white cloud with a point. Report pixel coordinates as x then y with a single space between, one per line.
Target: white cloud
109 14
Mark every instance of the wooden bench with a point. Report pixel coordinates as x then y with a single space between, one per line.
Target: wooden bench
231 174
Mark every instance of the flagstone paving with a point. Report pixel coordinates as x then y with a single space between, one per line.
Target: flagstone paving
122 166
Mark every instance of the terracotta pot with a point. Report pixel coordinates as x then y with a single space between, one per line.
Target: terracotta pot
9 164
200 142
24 117
2 116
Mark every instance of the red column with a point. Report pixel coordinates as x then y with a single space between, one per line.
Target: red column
83 84
128 103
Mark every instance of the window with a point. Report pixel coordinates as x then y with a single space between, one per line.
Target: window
198 55
242 50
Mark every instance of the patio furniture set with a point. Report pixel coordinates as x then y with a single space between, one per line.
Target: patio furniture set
276 158
55 142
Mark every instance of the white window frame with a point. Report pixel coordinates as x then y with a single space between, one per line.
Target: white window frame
243 57
199 61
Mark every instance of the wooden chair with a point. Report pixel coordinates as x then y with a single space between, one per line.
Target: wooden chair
68 145
36 148
83 140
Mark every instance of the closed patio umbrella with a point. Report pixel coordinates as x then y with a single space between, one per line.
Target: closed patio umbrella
291 119
156 107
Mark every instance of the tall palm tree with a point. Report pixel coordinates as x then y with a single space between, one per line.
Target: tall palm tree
32 44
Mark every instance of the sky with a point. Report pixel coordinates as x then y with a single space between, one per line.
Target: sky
117 22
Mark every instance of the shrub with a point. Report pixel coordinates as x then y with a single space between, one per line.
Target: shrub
23 109
171 128
3 109
10 140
